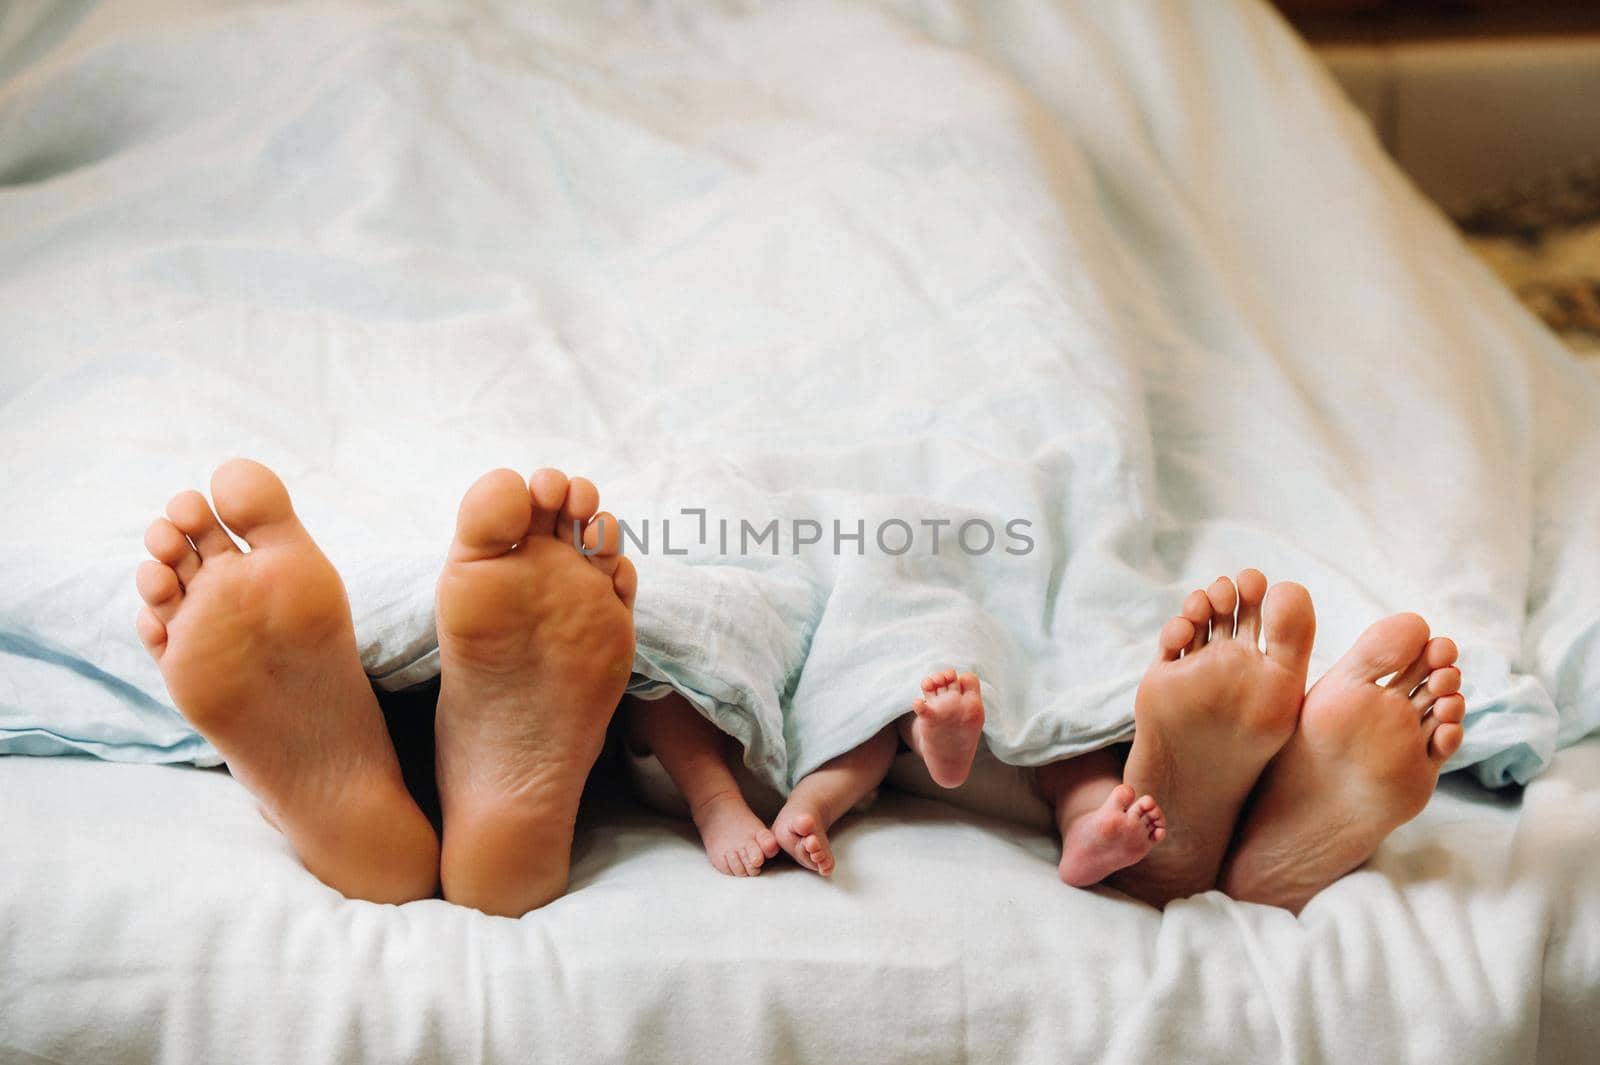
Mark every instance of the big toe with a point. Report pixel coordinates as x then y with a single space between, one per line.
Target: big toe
1386 646
493 517
1291 625
252 501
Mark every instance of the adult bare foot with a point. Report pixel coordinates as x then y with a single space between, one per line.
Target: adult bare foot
1210 713
259 654
945 725
1122 831
535 649
1363 761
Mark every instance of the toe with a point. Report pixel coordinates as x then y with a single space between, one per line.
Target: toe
152 633
625 582
1197 611
166 544
753 858
734 864
821 857
1450 710
1121 797
253 502
1290 625
190 512
1387 646
1224 598
968 683
1438 653
768 843
583 499
1440 682
160 589
547 490
1252 588
1446 741
493 517
1175 636
602 543
919 707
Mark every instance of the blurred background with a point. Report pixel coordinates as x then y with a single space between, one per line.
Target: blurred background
1493 107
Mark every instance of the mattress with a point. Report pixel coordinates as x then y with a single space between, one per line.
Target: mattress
148 914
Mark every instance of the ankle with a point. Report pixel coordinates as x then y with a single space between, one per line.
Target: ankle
704 807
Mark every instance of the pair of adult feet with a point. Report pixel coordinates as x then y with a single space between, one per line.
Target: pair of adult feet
536 645
1269 792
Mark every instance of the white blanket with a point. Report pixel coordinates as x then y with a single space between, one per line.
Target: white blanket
149 914
1130 276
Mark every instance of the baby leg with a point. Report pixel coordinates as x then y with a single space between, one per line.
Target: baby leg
945 724
1103 827
695 755
826 794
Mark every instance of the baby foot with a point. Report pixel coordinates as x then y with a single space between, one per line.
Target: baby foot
535 649
800 832
259 654
736 841
945 726
1210 713
1364 760
1118 834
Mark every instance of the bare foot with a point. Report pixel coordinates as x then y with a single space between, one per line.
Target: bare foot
535 649
259 653
825 794
802 833
736 841
695 754
1210 713
1364 760
945 726
1121 832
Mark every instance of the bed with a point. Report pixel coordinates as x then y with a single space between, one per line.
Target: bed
1133 274
1473 936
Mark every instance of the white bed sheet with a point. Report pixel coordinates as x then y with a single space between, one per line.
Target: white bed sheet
147 913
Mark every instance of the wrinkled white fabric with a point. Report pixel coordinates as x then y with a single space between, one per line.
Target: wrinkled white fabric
1131 274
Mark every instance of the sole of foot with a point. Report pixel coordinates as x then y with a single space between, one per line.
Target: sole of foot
1120 833
946 724
259 654
1365 759
535 649
802 835
1218 703
736 841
